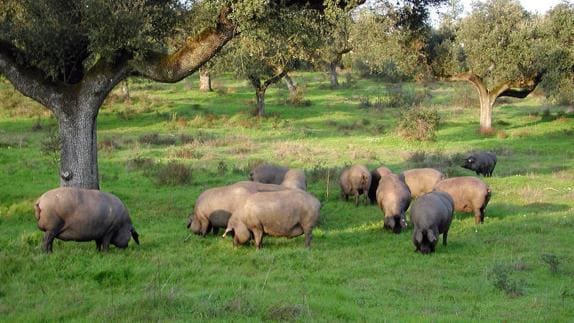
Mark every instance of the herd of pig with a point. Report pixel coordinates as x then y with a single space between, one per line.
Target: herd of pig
275 202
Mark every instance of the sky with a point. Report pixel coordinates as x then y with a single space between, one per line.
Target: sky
539 6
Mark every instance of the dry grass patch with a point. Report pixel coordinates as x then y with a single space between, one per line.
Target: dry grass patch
531 194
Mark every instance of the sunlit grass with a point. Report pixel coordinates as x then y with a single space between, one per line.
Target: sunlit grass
354 270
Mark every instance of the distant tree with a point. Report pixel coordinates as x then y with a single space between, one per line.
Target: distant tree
264 56
205 80
496 49
390 38
558 41
336 40
68 55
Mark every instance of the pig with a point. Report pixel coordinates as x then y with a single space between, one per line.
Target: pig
295 179
421 180
355 180
375 178
469 194
78 214
481 162
393 197
270 174
431 215
214 206
287 213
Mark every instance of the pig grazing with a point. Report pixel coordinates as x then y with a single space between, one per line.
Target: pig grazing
481 162
431 215
393 197
287 213
269 174
375 178
78 214
469 194
214 206
421 180
295 178
355 180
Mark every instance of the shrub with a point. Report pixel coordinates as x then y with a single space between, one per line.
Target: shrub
552 261
448 164
418 123
173 174
297 98
139 163
221 168
500 276
156 139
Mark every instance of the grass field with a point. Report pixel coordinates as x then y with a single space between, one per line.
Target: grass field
518 265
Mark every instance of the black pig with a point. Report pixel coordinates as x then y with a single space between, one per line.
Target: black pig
431 215
481 162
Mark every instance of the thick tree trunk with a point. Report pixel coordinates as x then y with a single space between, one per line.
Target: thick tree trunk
204 80
486 107
260 94
79 148
333 78
290 84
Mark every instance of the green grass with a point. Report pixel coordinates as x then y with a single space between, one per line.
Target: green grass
354 270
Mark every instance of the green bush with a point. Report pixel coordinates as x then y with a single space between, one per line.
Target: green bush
418 123
173 174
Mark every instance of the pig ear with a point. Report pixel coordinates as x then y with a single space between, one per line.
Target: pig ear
431 236
419 236
135 235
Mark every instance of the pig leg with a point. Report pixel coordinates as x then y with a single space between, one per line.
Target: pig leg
48 240
105 242
258 236
215 230
99 244
482 214
444 235
356 198
478 216
308 237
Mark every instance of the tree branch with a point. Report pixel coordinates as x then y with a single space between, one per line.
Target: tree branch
30 81
170 68
275 78
522 89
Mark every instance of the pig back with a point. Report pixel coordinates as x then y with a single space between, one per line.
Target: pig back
82 214
468 193
279 212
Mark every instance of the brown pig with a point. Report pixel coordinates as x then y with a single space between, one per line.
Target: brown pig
78 214
393 197
215 205
469 194
287 213
355 180
421 180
